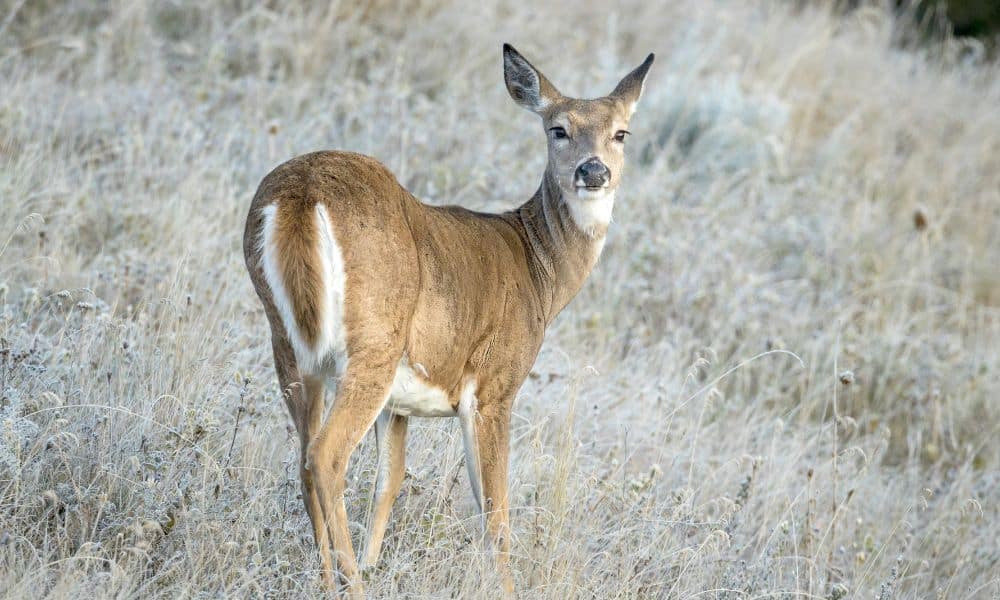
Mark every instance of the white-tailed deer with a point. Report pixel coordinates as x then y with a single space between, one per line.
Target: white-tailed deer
409 310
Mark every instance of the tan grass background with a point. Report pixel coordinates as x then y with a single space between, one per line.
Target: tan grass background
798 183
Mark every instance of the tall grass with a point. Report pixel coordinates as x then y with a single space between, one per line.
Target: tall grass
798 181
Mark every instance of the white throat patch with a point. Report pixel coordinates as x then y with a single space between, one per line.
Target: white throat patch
591 209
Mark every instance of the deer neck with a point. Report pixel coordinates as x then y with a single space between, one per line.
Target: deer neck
564 239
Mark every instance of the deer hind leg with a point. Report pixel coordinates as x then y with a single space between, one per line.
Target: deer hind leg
305 401
313 393
361 395
390 433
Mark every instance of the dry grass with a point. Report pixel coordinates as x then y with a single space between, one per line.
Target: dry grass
797 182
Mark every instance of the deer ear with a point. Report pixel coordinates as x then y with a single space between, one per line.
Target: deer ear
526 84
629 89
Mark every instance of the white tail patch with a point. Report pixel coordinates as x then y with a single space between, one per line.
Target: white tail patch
332 337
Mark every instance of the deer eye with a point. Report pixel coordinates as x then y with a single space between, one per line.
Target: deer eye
558 133
620 135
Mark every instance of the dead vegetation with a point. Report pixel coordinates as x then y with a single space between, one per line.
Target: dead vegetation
798 184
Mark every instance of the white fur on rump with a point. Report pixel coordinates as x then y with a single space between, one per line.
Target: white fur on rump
332 337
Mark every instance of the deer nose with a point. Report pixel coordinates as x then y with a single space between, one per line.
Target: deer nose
592 173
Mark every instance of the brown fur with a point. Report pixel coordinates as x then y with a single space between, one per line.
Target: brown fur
298 260
465 295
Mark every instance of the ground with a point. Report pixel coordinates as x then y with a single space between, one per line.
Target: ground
781 379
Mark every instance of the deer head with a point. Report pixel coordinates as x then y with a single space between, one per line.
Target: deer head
586 138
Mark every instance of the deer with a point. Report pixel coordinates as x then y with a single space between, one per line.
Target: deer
405 309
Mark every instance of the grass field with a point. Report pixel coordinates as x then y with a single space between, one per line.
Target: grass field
782 380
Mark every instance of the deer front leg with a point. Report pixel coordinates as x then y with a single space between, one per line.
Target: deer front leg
467 415
493 441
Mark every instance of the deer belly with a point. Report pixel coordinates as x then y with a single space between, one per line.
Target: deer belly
412 395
